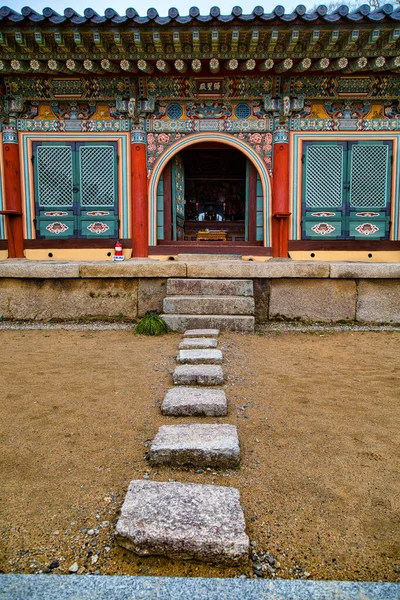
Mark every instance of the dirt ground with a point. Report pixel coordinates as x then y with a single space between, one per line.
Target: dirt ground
318 422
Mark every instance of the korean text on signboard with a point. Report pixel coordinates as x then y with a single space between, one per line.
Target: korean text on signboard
209 87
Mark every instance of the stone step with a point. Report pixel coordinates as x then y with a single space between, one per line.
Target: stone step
188 257
187 401
205 445
198 342
209 287
208 305
205 333
200 374
183 521
203 356
242 324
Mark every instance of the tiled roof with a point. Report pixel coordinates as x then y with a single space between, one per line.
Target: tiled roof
362 14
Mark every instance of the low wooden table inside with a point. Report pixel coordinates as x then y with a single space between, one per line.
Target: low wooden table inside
211 235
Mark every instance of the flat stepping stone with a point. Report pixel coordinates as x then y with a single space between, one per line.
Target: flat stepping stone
196 445
201 333
205 356
186 402
183 521
200 374
189 343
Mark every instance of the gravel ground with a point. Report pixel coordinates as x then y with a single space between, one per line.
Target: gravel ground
318 422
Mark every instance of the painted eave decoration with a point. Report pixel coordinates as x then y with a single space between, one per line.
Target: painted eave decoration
342 41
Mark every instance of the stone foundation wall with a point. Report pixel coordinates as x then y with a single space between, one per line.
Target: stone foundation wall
327 292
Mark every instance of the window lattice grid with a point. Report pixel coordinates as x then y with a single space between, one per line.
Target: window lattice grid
324 176
97 175
55 176
243 111
174 111
368 181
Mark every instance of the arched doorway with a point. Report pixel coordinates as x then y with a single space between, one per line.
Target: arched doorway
218 183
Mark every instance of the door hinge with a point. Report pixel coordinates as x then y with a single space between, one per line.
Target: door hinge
32 158
117 158
302 159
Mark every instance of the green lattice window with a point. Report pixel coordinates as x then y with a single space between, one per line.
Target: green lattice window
76 189
346 190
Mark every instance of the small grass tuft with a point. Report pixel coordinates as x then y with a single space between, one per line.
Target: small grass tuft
152 324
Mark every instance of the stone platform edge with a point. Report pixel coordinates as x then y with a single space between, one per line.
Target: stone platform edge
108 587
150 268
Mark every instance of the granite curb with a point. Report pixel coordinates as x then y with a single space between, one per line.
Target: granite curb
108 587
145 268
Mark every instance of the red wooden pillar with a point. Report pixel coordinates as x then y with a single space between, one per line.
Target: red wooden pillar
139 203
280 193
12 192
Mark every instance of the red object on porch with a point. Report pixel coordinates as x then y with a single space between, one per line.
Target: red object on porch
140 214
13 198
280 201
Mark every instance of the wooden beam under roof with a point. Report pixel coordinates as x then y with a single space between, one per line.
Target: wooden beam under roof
180 66
59 39
79 42
196 40
372 39
333 39
231 64
293 40
214 40
144 66
303 65
157 41
273 40
98 41
266 65
359 64
92 66
21 41
235 39
391 39
196 65
283 66
351 41
321 64
314 39
118 41
109 66
137 40
338 64
176 40
163 66
128 66
255 36
40 40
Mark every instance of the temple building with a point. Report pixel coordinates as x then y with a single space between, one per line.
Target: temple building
264 134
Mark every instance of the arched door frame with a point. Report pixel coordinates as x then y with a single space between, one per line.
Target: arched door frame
229 140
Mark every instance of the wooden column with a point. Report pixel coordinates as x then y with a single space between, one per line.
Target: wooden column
12 192
280 193
139 203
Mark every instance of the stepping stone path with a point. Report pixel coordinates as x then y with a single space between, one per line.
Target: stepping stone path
196 445
194 402
184 521
200 374
198 343
205 333
190 521
202 356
